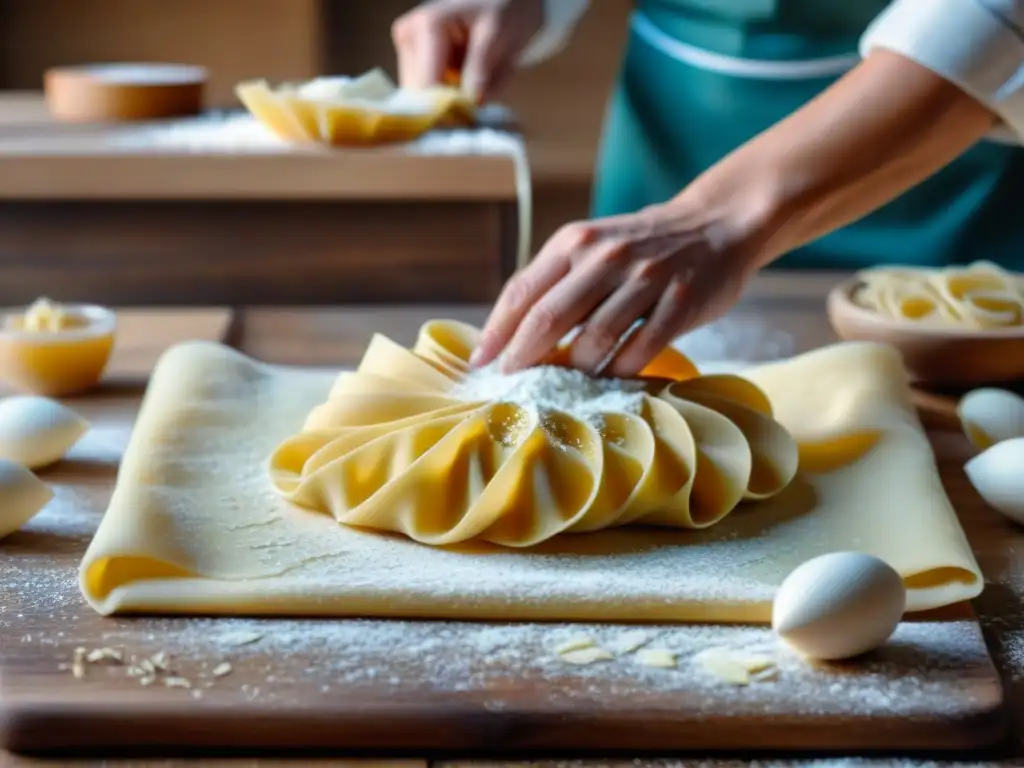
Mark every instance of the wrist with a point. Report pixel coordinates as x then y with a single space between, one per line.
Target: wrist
746 209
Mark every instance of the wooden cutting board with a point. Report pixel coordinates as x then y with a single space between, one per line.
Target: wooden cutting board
398 686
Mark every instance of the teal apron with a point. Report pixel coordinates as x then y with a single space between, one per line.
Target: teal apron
701 77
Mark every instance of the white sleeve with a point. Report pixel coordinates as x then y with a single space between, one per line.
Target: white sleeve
560 18
976 44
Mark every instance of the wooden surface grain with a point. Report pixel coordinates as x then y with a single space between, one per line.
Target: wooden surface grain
86 166
779 316
83 216
239 253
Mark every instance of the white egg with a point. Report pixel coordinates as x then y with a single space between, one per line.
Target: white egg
839 605
22 495
37 431
989 416
997 474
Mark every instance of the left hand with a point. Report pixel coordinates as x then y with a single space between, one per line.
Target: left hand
673 266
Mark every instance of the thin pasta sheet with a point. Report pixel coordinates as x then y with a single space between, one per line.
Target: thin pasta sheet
200 522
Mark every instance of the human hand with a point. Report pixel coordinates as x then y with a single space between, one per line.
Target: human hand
480 38
673 266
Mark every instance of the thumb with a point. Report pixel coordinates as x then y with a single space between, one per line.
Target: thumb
484 55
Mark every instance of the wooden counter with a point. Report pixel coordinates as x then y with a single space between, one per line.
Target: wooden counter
783 314
121 216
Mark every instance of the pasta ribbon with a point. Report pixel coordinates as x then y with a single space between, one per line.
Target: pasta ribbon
980 296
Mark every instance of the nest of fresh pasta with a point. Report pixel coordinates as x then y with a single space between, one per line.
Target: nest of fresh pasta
347 111
980 296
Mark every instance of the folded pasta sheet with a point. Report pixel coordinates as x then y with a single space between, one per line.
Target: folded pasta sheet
199 523
343 111
414 442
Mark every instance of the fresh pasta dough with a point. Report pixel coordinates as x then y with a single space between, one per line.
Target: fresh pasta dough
396 448
195 526
979 296
369 109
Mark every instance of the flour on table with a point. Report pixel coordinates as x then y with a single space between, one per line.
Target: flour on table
734 667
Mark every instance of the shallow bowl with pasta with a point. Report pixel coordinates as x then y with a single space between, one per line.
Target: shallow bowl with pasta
935 353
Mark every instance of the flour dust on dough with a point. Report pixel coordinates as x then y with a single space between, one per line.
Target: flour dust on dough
400 445
195 526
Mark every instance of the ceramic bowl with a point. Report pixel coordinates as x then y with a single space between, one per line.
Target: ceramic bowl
943 357
58 363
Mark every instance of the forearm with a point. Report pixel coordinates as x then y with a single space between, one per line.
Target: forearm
883 128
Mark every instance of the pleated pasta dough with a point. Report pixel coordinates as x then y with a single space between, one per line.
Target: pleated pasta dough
396 447
195 524
981 295
345 111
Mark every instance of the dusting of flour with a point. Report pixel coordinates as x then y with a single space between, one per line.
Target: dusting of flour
43 619
546 388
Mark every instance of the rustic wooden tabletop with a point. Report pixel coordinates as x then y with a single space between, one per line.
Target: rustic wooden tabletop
782 314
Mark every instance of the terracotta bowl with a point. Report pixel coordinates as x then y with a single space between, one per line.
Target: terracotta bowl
943 357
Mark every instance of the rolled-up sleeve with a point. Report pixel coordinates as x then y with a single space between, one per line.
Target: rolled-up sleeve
976 44
560 18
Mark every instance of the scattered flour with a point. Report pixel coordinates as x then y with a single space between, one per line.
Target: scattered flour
240 132
547 388
288 662
737 337
296 659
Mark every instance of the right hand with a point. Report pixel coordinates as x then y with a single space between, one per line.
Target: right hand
482 39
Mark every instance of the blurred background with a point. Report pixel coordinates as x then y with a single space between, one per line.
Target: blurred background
559 104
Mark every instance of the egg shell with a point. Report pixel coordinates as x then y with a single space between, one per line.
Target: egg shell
37 431
839 605
989 416
22 495
997 474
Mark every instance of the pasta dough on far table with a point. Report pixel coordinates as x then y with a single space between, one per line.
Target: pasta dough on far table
194 525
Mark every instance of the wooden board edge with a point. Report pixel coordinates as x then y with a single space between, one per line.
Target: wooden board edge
255 176
30 726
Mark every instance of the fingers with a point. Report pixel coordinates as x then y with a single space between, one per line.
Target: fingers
517 297
424 44
551 264
486 57
562 308
671 316
603 332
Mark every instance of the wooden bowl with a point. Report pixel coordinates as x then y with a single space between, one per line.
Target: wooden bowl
123 92
942 357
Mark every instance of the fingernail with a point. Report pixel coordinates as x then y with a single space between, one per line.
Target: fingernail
476 357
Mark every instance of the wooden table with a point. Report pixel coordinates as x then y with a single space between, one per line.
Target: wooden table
125 216
782 314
